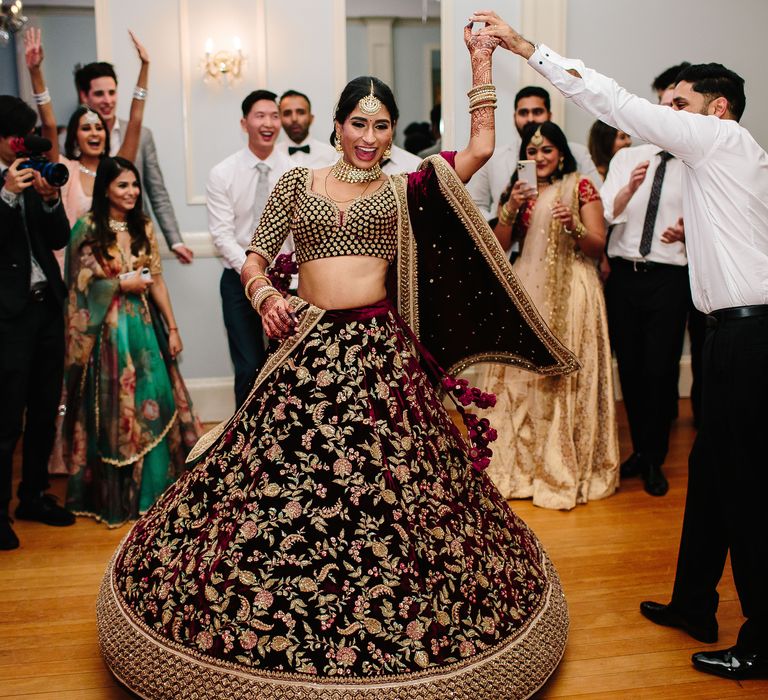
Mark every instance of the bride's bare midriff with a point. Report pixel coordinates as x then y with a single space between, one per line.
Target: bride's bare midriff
343 282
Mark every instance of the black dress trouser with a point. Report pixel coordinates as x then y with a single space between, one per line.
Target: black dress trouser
647 310
725 506
31 369
244 334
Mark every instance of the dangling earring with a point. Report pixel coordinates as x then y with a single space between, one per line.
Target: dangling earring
337 143
388 151
77 152
560 164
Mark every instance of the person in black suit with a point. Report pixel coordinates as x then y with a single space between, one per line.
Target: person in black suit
32 225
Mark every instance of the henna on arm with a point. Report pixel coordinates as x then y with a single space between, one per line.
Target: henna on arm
482 136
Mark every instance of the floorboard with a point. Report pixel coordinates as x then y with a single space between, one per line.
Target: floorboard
611 554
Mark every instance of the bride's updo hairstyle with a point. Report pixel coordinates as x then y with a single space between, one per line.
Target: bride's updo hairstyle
359 88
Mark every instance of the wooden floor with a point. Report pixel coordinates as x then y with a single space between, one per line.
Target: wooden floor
611 555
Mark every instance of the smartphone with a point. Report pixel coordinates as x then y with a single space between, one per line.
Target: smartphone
144 273
526 172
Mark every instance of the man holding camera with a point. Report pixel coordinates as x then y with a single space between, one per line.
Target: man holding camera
32 225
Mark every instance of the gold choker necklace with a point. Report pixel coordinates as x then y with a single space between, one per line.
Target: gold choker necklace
349 173
118 226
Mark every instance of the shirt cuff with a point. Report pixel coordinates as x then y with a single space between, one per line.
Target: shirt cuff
615 220
176 245
555 67
10 198
48 208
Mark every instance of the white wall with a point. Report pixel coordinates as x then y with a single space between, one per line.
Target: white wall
69 37
633 42
196 124
412 84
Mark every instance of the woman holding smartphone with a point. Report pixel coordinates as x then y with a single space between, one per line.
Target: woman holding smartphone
563 447
127 423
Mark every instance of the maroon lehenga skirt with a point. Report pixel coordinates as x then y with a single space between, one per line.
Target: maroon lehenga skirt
334 542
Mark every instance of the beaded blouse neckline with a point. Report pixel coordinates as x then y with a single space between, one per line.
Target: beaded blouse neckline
309 181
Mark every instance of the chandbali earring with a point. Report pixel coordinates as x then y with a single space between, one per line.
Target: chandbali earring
337 143
388 151
560 164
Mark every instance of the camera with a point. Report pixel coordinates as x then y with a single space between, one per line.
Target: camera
32 148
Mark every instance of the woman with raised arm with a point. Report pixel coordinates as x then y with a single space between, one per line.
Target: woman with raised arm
87 139
559 439
337 537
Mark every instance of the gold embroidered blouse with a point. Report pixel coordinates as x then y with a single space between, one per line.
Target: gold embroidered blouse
320 229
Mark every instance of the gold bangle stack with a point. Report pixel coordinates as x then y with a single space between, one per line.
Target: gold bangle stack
482 96
506 217
578 232
261 295
248 284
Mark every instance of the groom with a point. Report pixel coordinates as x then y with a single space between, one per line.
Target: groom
725 207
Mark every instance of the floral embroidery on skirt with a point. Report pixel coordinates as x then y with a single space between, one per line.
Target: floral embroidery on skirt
337 528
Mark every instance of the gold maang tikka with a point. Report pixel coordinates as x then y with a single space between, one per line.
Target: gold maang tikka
370 104
537 139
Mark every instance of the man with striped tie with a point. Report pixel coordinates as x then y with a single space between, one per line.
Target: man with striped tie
236 193
647 297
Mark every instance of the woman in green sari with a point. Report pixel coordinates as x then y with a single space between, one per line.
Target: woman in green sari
127 421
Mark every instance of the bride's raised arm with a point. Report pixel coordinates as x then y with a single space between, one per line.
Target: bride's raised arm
482 103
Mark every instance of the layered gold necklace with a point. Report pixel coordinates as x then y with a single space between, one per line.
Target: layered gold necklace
345 172
118 226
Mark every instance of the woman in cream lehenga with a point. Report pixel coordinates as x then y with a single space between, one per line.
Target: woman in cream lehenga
337 539
558 439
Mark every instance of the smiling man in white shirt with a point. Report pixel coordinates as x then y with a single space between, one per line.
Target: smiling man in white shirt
236 193
725 207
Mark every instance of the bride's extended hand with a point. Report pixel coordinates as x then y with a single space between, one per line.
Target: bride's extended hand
277 318
497 28
479 44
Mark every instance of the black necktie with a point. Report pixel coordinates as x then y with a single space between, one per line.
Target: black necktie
653 204
293 149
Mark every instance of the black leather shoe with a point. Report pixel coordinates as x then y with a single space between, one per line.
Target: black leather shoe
655 482
44 509
669 617
732 663
632 466
8 539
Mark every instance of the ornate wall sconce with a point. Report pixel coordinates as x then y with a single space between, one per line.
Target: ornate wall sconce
223 66
11 20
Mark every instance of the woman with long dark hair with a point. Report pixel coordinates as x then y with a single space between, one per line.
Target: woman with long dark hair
559 439
337 537
128 423
87 137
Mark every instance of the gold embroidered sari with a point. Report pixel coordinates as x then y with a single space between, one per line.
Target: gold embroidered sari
558 439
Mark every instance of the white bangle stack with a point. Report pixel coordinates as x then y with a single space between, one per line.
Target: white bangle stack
42 98
139 93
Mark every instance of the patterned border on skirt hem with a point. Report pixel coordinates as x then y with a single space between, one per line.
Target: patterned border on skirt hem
154 667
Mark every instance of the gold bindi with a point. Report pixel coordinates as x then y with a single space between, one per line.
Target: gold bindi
537 139
370 104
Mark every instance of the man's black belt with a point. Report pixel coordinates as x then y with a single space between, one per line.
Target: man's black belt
644 265
736 312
